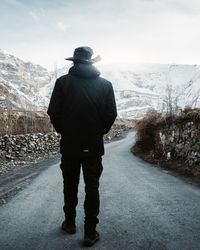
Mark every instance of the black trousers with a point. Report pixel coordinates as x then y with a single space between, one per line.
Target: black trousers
92 169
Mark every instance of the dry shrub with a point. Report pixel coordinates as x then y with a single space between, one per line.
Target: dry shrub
147 138
186 115
146 132
191 114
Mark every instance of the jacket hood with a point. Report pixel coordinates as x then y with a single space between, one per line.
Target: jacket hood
84 71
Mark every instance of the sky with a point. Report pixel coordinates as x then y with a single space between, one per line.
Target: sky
128 31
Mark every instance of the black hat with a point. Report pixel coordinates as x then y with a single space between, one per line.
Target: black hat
83 54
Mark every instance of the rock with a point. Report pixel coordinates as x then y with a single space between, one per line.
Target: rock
179 146
168 155
9 157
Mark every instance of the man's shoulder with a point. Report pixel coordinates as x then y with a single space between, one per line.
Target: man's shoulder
63 78
67 77
105 81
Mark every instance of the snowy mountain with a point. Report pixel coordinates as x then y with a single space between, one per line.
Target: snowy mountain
141 87
138 87
21 83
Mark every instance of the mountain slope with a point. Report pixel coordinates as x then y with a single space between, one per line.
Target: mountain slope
21 82
138 87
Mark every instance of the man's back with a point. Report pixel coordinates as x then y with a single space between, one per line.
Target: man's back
82 106
82 109
84 100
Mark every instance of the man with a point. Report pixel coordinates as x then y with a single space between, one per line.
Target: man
82 109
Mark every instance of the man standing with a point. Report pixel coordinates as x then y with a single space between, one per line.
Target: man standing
82 109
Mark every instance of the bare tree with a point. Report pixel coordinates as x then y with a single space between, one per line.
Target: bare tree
170 99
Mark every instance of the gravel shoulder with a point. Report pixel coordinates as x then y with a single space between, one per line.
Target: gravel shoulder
19 176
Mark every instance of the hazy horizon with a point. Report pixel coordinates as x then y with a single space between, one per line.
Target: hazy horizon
132 31
99 64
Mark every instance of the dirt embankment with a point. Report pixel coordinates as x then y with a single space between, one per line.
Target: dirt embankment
15 122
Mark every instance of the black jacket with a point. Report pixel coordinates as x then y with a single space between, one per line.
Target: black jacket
82 108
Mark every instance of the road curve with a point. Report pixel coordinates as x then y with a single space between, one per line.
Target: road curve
142 207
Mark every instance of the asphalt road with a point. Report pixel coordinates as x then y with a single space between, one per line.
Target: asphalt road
142 207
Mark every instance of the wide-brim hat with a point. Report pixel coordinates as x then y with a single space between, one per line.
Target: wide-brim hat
84 55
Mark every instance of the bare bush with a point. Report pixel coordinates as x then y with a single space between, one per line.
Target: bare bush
146 131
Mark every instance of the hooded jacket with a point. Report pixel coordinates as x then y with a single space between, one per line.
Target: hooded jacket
82 109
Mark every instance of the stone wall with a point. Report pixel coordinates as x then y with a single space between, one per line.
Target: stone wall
182 142
26 146
170 141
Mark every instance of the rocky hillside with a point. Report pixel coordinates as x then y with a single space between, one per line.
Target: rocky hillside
21 83
138 87
141 87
